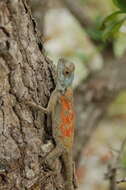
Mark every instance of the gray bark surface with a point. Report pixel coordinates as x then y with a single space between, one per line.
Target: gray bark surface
25 74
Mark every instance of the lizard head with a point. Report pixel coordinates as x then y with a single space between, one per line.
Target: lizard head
65 74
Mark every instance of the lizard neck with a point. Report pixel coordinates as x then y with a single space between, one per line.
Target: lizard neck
61 88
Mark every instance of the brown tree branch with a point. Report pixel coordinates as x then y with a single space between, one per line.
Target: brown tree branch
123 180
111 174
79 13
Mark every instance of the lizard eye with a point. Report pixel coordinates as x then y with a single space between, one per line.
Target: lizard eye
66 72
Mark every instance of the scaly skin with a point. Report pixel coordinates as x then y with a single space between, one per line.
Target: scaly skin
61 108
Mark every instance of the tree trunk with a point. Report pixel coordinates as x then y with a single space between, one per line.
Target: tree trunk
39 9
25 74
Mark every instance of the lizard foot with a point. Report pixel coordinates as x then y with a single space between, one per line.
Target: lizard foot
49 163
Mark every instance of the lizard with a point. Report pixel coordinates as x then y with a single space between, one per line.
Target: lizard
60 106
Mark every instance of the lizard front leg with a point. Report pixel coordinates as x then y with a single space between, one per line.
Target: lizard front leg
36 107
50 107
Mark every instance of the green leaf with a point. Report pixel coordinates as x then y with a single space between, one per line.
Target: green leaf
121 4
112 29
110 18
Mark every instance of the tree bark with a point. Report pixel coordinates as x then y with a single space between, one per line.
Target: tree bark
25 74
39 9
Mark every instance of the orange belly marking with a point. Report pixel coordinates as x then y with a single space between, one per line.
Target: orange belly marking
67 117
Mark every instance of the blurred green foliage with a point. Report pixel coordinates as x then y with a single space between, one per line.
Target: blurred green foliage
94 32
105 28
112 28
113 22
121 4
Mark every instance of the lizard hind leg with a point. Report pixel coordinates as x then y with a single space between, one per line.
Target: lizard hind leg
49 160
